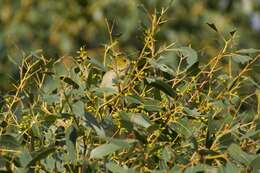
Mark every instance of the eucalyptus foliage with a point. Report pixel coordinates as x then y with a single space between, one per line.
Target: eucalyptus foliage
171 113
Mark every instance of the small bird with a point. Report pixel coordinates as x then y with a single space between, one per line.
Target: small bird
120 65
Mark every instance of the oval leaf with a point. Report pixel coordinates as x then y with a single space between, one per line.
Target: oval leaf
104 150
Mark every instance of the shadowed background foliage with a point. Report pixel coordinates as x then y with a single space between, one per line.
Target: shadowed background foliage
61 27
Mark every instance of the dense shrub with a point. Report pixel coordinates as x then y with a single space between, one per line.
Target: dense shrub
61 27
171 112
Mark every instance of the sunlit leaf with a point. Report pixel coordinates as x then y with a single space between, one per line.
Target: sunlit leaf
248 51
136 118
115 168
109 148
104 150
78 108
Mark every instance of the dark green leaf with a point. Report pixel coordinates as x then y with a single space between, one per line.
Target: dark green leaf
131 99
92 122
71 137
232 32
9 142
152 106
70 82
163 86
41 154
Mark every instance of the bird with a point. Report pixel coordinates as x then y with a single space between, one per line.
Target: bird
119 66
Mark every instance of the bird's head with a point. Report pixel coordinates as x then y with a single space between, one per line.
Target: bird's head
120 63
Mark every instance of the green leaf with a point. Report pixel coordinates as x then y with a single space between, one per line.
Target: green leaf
247 51
231 168
104 150
161 66
115 168
124 143
175 169
50 84
182 128
250 133
212 26
90 79
232 32
25 157
51 98
20 170
170 59
93 123
152 106
255 165
78 108
109 148
132 99
49 163
36 130
190 54
166 154
163 86
136 118
239 155
41 154
104 90
71 137
199 168
241 58
9 142
97 64
70 82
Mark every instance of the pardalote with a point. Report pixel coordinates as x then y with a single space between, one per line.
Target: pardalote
119 67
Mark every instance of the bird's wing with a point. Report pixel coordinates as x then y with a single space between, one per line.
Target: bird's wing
108 80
